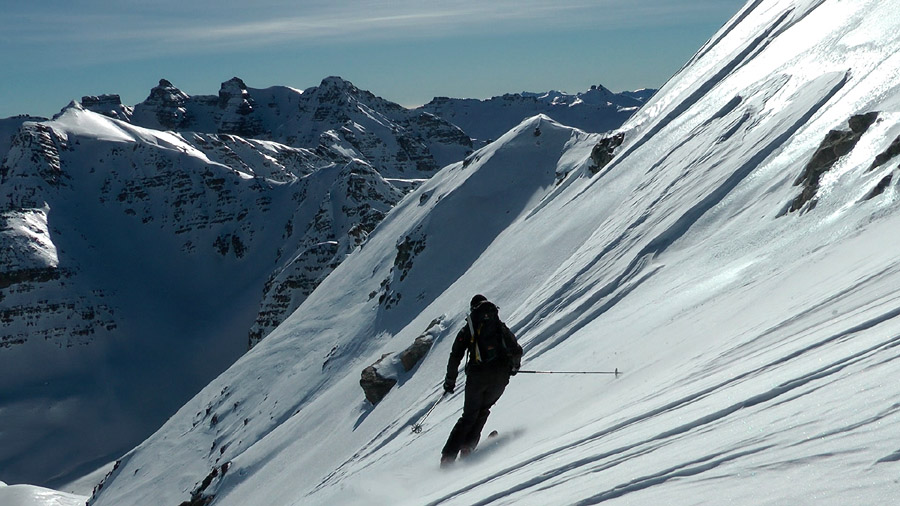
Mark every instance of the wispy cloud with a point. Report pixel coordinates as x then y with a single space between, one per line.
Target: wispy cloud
101 28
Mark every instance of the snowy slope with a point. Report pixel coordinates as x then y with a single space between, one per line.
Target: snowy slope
29 495
759 345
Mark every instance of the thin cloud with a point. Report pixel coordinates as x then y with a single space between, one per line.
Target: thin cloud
201 21
113 31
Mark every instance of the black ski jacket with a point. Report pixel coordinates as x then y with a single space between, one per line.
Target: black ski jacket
464 343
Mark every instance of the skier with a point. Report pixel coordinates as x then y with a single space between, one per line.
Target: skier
493 356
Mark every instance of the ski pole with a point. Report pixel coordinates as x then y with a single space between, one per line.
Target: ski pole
617 372
417 427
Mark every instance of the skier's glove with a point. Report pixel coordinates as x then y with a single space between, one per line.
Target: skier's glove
514 370
449 386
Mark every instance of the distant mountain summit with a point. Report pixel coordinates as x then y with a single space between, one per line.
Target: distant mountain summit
335 116
596 110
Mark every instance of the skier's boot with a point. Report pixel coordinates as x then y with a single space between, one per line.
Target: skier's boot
447 459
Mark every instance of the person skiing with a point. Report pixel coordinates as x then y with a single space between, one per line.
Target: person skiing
493 356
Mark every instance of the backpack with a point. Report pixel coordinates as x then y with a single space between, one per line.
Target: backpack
487 344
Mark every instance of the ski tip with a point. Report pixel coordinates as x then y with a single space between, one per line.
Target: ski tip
493 434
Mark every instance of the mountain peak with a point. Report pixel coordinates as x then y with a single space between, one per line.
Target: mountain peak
168 90
238 107
107 105
234 91
333 88
73 105
235 81
599 88
337 82
164 107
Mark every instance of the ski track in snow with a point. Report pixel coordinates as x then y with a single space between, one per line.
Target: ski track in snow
593 305
702 90
771 337
595 463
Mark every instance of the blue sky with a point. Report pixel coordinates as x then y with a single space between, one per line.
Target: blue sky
408 51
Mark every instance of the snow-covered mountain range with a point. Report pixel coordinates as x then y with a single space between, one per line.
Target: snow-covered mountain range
144 248
596 110
733 252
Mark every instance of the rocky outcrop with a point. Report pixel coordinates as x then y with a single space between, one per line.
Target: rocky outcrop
108 105
886 155
880 187
379 378
200 495
416 351
31 167
408 249
238 108
604 151
166 108
374 384
836 144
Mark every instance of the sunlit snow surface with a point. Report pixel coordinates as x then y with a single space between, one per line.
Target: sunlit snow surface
28 495
759 348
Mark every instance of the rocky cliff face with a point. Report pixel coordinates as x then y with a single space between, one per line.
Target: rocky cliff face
164 109
350 209
238 109
108 105
36 302
335 116
127 245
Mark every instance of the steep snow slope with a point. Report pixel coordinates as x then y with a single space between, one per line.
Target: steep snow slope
342 330
759 345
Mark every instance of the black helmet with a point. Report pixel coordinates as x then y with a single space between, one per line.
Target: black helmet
478 299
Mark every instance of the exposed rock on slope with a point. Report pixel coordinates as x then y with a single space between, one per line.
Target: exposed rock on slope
835 145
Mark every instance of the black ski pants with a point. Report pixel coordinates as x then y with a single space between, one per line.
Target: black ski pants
483 389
